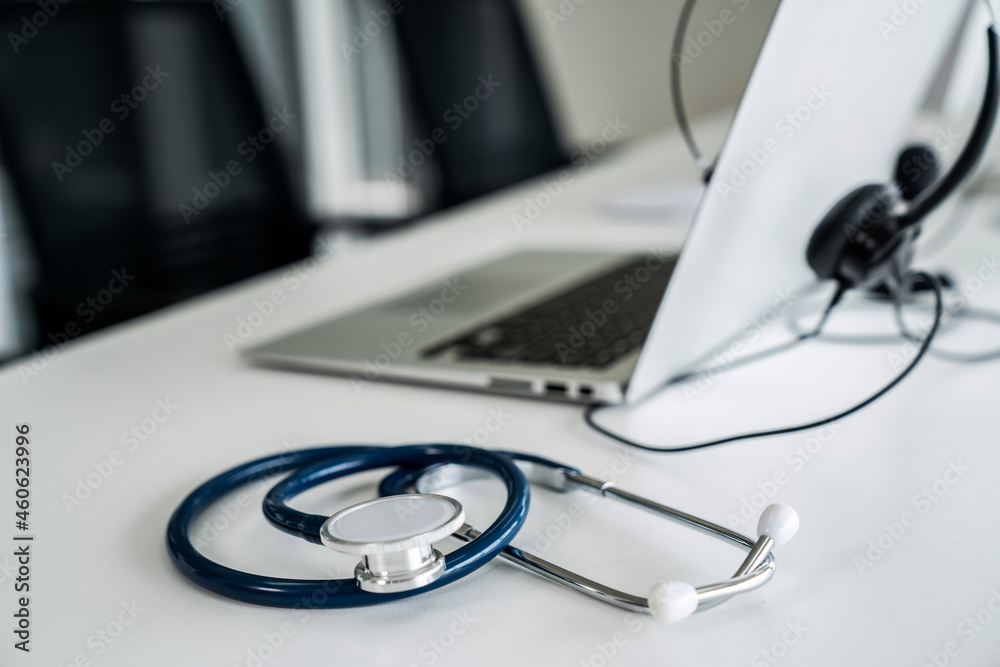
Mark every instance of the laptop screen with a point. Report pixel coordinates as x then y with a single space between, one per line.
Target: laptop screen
824 112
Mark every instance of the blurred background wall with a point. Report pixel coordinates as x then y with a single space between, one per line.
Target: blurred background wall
611 57
353 78
598 59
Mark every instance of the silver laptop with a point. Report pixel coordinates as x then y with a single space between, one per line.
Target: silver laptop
827 108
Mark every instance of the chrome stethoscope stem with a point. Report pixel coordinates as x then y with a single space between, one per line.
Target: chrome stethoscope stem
755 571
708 596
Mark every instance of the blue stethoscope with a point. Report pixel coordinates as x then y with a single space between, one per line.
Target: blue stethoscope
395 533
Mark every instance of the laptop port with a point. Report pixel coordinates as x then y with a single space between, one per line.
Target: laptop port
507 384
555 388
586 390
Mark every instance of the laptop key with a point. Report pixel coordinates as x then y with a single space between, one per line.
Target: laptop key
551 332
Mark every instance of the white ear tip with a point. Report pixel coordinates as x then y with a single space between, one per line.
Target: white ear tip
672 601
779 522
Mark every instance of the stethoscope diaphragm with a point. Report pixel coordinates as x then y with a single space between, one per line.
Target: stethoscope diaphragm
395 534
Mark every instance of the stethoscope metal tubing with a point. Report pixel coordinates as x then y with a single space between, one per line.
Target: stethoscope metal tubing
755 571
708 596
752 573
609 490
561 575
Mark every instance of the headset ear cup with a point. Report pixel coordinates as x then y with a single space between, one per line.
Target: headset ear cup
916 171
847 229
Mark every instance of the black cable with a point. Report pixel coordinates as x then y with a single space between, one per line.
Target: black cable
960 358
589 413
948 355
882 339
677 95
771 351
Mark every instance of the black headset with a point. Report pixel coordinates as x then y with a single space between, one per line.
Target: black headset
867 237
865 241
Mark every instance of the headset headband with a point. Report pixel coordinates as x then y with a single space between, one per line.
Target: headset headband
972 152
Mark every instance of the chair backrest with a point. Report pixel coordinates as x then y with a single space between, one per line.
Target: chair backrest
134 139
475 83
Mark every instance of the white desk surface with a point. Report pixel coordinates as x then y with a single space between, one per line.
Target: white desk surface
105 561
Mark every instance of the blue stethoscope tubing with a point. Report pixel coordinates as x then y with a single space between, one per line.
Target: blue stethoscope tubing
323 464
404 479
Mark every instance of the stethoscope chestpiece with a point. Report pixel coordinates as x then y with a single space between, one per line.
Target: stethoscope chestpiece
668 601
395 535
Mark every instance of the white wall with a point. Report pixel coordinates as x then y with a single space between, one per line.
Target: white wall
611 58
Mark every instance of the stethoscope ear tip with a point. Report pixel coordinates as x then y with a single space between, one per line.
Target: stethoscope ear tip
672 601
779 522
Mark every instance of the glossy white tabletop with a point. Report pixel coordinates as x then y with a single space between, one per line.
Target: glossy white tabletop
896 559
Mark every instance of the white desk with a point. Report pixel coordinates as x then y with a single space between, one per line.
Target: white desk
105 562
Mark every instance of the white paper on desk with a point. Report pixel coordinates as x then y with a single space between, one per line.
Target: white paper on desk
660 202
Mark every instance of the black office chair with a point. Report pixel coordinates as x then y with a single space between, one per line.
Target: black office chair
447 46
125 129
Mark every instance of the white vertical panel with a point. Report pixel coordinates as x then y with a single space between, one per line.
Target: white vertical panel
334 144
11 323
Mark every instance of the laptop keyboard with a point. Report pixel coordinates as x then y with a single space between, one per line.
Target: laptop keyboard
593 324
